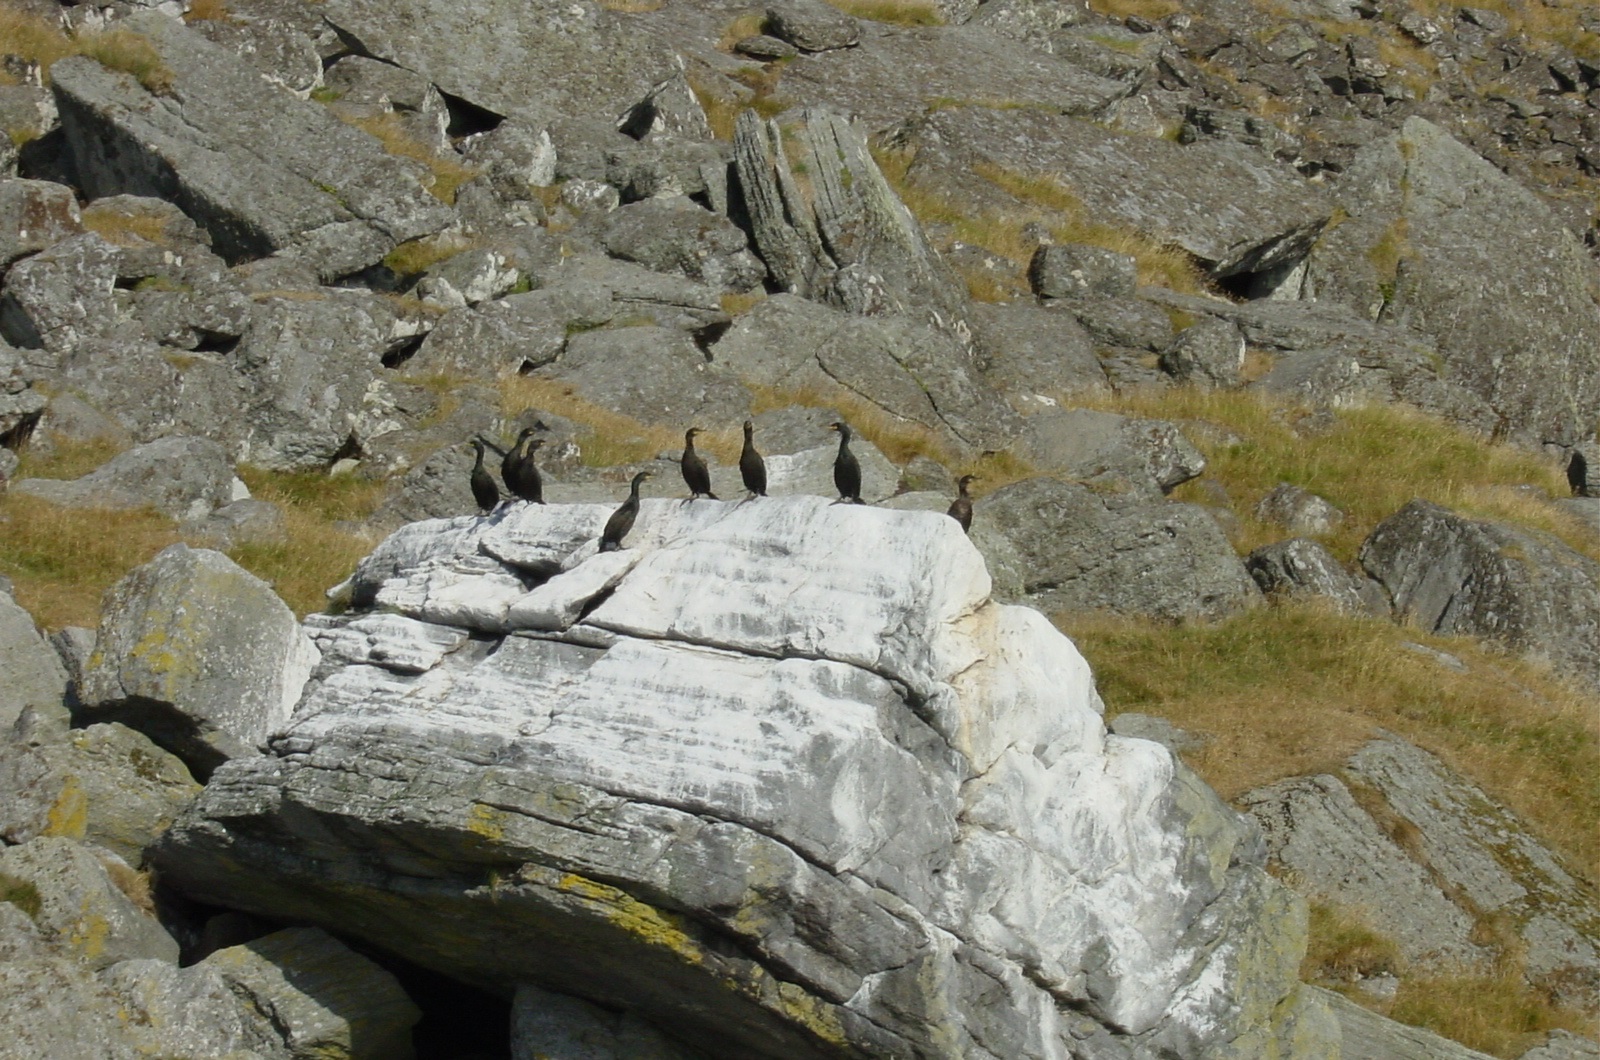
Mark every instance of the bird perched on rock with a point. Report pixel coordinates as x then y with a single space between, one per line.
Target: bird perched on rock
695 473
621 520
484 491
846 469
1578 474
752 468
961 507
517 468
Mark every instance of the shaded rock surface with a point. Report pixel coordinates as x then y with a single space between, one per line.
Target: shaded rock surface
185 478
322 186
668 851
35 678
1451 574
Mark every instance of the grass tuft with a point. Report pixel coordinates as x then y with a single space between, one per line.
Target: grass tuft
1343 947
447 175
894 12
123 228
40 40
317 552
416 255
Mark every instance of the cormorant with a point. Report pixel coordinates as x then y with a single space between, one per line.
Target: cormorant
621 520
1578 474
695 473
751 467
484 491
961 507
846 470
520 474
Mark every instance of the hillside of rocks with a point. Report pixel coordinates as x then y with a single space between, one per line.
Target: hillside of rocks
308 751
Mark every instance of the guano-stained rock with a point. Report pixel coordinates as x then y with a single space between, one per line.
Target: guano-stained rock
771 796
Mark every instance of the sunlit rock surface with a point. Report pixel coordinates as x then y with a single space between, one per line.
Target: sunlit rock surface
778 777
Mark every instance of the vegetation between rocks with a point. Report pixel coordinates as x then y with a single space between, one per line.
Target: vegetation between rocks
35 39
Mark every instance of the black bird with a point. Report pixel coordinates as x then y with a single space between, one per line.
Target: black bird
961 507
751 467
846 470
695 473
1578 474
484 491
520 474
621 520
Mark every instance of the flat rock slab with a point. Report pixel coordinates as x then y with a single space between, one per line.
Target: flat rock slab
1233 209
777 778
531 60
892 75
259 168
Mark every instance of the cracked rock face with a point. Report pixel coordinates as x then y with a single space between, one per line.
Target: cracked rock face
777 777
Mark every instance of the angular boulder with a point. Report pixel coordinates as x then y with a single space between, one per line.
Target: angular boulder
1441 241
909 369
35 679
1529 592
260 169
198 654
1034 355
770 795
184 478
675 234
35 214
76 903
61 297
1304 568
653 374
1063 547
105 784
318 996
1111 451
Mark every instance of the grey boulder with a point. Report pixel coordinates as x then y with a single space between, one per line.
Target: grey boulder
812 26
199 654
80 906
1209 353
674 234
652 374
258 168
105 784
1063 547
1527 591
35 679
1075 270
35 214
1305 569
1034 355
1104 449
184 478
1298 510
1441 241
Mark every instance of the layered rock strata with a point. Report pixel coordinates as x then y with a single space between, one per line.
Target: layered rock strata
778 777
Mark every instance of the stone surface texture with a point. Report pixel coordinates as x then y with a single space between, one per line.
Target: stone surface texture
657 800
198 653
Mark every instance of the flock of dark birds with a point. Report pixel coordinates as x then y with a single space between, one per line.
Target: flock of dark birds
523 481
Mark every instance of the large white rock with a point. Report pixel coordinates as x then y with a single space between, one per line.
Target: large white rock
778 776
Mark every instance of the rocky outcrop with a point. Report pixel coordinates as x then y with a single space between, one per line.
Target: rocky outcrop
1430 861
35 679
259 169
696 853
185 478
1125 553
198 653
1451 574
1441 242
1105 450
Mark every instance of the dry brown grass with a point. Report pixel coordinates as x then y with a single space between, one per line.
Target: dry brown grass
318 553
1294 690
1344 947
894 12
632 7
1370 463
134 885
123 228
208 11
447 175
42 41
1153 10
749 24
1496 1014
415 255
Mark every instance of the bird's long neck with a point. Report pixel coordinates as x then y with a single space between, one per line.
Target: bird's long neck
477 463
844 440
633 494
